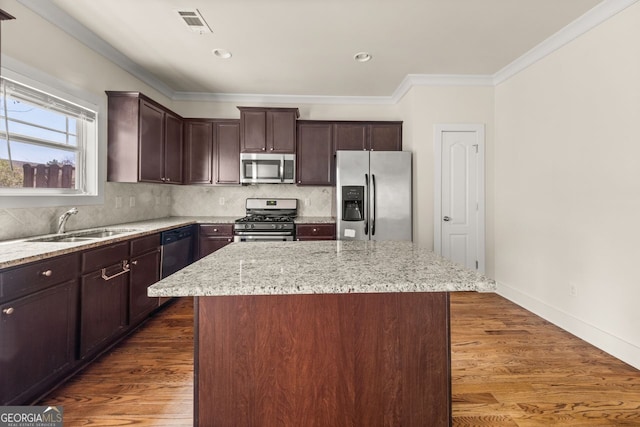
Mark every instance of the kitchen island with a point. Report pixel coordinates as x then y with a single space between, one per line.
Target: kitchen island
327 333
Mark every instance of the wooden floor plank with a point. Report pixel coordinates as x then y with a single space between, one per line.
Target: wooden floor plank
510 368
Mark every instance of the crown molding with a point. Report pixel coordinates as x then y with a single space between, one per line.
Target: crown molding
280 99
591 19
600 13
408 82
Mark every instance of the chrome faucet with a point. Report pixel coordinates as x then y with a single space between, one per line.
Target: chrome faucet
62 221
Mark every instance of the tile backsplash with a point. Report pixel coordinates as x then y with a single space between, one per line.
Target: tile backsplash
137 202
230 201
122 203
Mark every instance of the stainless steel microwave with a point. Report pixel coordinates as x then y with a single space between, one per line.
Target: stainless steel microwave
257 168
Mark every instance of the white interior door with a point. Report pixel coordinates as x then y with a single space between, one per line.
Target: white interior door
459 215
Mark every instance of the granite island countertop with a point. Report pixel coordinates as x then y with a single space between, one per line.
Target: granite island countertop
317 267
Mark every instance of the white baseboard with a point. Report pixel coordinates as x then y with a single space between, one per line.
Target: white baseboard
606 342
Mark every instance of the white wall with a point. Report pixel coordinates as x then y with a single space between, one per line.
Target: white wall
423 108
567 186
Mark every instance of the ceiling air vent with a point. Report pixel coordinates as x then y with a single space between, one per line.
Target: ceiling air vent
194 21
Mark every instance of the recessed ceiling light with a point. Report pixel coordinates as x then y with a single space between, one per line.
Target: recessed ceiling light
362 57
222 53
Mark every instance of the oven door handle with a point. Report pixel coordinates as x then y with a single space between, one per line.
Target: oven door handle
263 233
279 238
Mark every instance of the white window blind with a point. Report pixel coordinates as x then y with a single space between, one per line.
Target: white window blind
43 142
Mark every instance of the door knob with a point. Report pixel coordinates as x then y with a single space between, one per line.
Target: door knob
446 218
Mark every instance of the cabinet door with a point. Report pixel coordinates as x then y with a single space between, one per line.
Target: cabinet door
198 152
351 136
173 150
315 232
227 149
212 237
385 137
315 160
103 308
145 271
281 131
208 245
151 156
37 336
253 131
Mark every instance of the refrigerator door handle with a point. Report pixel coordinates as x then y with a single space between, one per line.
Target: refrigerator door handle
373 205
366 204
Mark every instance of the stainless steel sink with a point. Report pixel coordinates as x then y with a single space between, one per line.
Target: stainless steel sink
60 238
80 236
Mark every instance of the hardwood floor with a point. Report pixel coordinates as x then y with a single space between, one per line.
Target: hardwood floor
147 380
509 368
512 368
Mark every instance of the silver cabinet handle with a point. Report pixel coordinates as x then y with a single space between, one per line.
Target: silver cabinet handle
446 218
215 229
125 269
8 311
47 273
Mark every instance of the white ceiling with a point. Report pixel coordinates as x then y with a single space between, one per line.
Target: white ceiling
306 47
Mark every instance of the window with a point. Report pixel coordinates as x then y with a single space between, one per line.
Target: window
47 143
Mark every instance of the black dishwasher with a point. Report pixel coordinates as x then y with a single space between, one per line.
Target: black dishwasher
177 249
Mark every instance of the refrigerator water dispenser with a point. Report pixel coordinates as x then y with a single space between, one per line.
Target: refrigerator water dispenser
352 203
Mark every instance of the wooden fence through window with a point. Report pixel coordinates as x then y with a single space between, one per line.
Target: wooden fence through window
53 176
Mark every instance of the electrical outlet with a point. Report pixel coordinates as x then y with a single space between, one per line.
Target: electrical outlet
221 201
132 201
118 202
307 202
573 289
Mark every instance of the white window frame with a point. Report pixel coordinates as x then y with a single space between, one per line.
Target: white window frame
95 154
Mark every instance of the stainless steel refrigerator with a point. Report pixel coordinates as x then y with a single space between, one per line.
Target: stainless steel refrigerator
373 195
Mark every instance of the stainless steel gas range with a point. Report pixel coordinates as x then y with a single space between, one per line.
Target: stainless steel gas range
267 220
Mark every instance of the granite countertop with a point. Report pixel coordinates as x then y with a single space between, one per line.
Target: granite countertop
315 220
22 251
269 268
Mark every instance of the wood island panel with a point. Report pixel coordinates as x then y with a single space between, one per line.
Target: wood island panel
379 359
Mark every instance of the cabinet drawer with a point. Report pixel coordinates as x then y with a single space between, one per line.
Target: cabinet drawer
145 244
219 230
105 256
39 275
316 230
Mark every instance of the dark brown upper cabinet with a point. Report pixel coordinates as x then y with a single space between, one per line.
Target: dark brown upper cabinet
315 153
212 151
198 151
268 130
226 147
371 136
144 140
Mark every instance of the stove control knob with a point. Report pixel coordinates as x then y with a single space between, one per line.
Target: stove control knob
273 226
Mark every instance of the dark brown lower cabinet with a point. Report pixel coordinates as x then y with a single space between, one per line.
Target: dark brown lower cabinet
212 237
315 232
37 342
103 308
145 271
323 360
104 288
